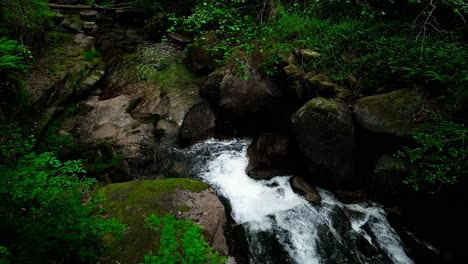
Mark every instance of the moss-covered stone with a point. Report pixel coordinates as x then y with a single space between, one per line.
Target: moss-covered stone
324 134
402 112
131 202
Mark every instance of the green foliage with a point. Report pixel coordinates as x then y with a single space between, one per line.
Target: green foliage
383 45
439 157
22 15
12 56
13 62
181 241
89 55
49 213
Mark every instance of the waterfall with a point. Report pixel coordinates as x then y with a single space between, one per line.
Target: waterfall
282 227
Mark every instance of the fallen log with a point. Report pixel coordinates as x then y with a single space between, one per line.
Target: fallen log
95 7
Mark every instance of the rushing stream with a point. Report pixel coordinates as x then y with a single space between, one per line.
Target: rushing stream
281 227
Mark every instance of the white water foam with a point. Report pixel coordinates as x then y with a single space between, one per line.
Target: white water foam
274 207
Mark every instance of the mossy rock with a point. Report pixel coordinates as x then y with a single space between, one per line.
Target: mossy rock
401 113
324 134
131 202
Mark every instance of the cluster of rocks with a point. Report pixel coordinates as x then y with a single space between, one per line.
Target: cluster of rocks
307 125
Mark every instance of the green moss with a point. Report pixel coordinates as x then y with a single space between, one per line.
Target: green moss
131 202
397 111
184 208
322 104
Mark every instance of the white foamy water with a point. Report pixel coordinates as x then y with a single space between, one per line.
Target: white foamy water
329 233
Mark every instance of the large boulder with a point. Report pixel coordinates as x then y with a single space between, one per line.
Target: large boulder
270 155
247 97
62 76
132 202
199 124
324 135
155 74
387 179
399 113
108 121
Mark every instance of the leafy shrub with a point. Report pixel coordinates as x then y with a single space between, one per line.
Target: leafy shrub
49 213
13 61
89 55
22 15
181 241
439 157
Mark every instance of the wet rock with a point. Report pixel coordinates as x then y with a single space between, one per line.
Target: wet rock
398 113
387 179
270 155
88 15
207 211
131 202
199 124
167 132
299 185
324 134
90 27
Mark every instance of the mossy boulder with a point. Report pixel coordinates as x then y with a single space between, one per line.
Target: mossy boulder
243 99
156 74
324 135
62 76
131 202
400 113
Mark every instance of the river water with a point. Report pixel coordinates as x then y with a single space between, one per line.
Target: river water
281 227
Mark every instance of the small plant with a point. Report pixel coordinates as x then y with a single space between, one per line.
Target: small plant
439 157
181 241
89 55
